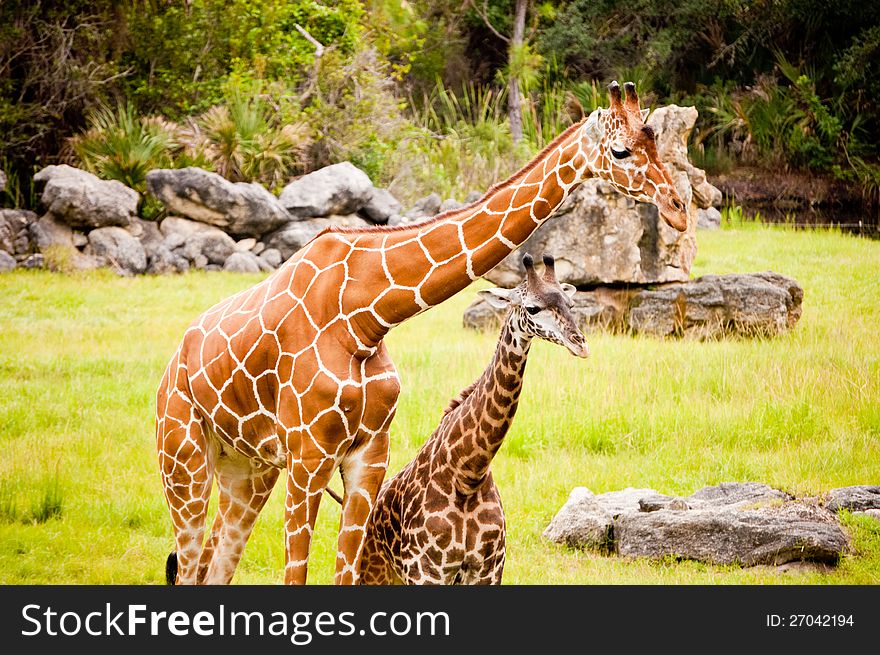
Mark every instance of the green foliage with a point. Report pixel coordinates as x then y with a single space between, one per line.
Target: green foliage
56 61
791 83
246 140
774 123
241 87
399 34
62 61
120 145
354 113
549 111
589 95
215 39
463 143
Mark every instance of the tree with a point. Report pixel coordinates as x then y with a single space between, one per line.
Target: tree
517 54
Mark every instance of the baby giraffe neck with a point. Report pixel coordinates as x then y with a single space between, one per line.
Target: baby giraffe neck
478 425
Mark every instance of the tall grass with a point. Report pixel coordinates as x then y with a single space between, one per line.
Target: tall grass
799 412
462 141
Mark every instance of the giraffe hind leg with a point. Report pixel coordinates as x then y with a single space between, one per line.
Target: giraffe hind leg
244 487
186 464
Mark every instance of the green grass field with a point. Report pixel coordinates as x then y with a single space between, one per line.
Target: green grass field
81 357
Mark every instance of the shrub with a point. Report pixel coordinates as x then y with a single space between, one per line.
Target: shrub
353 112
461 142
244 140
120 145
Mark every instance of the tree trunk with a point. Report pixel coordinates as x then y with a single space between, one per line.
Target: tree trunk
514 104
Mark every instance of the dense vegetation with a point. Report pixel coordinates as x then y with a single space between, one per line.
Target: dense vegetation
430 95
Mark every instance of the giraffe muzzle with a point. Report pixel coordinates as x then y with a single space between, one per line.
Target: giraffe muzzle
577 345
675 214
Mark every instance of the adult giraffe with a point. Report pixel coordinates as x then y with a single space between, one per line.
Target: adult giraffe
293 374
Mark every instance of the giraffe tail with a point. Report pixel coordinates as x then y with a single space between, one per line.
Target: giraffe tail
335 496
171 568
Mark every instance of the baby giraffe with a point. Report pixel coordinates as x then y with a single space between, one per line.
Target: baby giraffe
440 520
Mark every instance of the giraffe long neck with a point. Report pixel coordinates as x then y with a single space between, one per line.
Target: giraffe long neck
471 433
427 263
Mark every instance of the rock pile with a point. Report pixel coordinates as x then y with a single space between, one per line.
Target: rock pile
731 523
211 223
755 304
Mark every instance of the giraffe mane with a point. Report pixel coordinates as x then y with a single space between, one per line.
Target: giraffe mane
462 396
516 177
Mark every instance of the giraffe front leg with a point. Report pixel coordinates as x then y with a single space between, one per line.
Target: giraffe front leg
307 477
363 470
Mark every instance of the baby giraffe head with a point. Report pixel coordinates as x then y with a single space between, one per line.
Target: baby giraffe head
541 307
622 150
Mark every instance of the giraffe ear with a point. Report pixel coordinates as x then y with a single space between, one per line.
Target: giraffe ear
497 298
645 113
568 289
593 127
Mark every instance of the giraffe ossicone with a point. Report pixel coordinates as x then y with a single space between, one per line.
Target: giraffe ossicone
440 519
292 375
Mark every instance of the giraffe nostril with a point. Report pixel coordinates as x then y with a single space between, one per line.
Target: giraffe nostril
677 204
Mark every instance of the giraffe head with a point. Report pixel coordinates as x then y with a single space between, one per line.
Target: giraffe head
541 307
622 150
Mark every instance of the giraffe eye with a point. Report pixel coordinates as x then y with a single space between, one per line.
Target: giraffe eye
533 309
620 153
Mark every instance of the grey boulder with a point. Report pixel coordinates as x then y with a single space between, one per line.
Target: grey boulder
380 206
272 257
424 208
116 248
581 523
7 262
245 262
855 499
195 240
737 494
767 535
15 234
161 260
34 261
295 235
730 523
708 219
450 204
336 189
757 304
244 209
48 231
712 306
82 200
58 241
